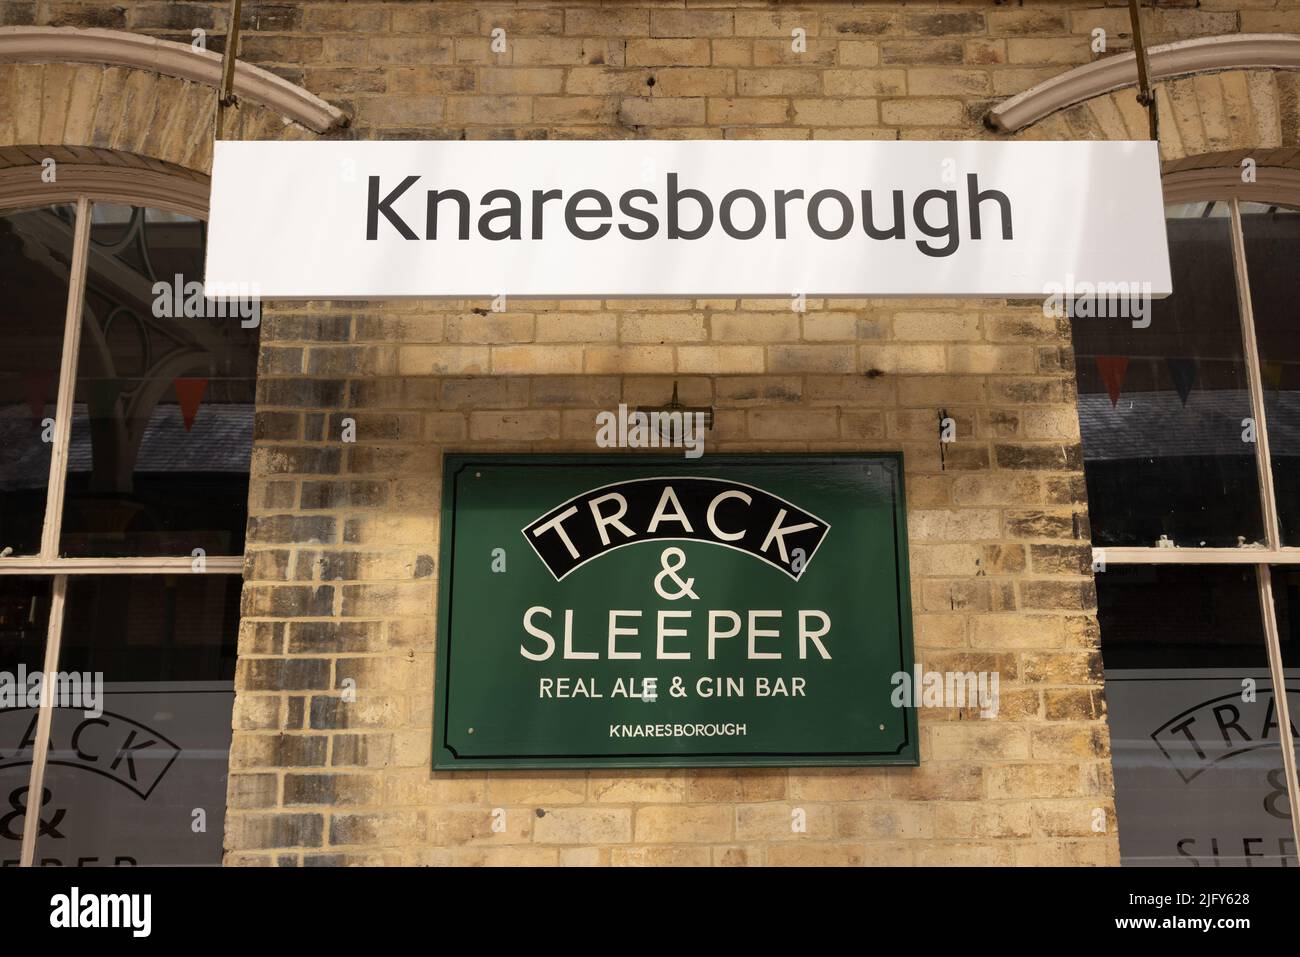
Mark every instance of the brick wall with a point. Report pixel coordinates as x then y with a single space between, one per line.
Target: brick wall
341 570
342 583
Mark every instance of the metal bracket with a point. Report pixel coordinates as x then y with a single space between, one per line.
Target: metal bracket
225 92
675 405
1145 94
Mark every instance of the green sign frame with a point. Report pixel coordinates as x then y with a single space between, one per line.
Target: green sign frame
504 550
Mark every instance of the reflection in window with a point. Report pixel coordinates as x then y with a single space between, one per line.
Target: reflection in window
1272 237
35 258
163 419
1161 408
161 435
24 618
1199 778
129 781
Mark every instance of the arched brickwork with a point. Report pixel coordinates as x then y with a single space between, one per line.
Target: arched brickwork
80 111
1205 119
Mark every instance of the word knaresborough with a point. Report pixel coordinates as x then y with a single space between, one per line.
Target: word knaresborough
830 213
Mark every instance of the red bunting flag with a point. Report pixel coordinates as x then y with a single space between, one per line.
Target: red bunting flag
36 385
190 393
1113 370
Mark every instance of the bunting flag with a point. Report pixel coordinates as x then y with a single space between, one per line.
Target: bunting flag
103 397
1183 372
36 386
190 393
1272 372
1113 370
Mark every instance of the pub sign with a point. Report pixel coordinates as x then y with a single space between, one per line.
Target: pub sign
629 611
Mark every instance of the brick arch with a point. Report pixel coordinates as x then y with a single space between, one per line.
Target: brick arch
76 94
1203 118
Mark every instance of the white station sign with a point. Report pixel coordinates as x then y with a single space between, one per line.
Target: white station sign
368 220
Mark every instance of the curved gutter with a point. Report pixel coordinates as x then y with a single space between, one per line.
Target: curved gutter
1245 51
116 48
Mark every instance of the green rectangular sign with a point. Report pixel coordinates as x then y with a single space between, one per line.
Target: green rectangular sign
651 611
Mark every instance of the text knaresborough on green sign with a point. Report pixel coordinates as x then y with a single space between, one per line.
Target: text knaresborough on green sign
656 611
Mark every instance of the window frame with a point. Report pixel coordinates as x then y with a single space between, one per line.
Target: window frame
84 185
1281 186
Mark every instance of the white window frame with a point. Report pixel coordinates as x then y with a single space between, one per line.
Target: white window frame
1227 184
21 188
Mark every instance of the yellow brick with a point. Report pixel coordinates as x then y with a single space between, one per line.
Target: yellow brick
582 825
720 360
690 52
784 822
659 857
514 425
847 112
922 112
661 328
808 426
988 738
755 327
536 360
816 855
442 360
683 824
911 359
610 359
748 110
638 787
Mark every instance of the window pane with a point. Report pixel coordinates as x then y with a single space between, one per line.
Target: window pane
35 257
1286 598
1161 408
130 780
1193 722
24 619
1272 235
163 425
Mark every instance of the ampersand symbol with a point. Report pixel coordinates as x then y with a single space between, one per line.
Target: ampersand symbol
678 559
48 828
1275 800
677 691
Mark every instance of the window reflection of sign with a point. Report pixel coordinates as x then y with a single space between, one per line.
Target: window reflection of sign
119 748
124 788
1198 767
1219 729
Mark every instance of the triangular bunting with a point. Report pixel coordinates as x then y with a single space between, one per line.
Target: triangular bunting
190 393
1183 372
1113 369
1272 372
36 386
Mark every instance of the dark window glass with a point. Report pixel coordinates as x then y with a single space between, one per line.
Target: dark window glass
1161 408
35 258
24 620
1272 235
163 425
1193 719
1286 599
132 780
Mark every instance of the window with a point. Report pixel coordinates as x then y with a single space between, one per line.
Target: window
126 424
1190 427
